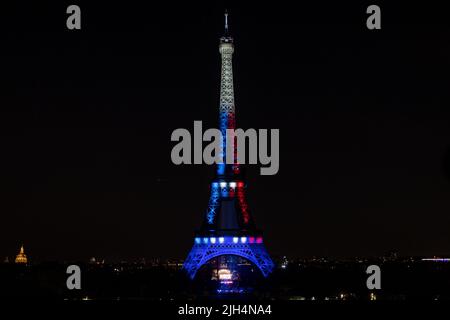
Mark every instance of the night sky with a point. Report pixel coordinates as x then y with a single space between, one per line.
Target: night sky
86 118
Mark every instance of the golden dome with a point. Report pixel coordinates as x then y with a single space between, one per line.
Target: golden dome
21 257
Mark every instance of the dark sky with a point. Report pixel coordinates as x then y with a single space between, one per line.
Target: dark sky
86 118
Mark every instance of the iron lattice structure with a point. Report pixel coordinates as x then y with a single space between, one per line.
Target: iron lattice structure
228 228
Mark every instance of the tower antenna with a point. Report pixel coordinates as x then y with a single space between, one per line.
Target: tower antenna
226 22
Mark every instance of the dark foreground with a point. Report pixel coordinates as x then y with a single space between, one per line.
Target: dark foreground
313 282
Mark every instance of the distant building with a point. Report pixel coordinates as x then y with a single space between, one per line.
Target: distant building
21 257
97 261
284 262
391 256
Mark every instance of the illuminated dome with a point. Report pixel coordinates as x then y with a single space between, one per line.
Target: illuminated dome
21 257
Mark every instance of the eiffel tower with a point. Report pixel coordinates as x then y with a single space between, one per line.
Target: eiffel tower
228 227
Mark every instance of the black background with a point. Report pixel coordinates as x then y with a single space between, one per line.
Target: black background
86 118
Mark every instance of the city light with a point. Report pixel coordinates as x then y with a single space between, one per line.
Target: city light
437 259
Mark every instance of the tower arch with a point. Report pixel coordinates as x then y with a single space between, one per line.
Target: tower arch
228 228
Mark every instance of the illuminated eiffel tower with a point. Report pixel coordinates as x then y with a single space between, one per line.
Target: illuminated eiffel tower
228 228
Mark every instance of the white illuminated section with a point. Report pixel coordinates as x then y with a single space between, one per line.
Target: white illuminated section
224 274
226 79
243 239
223 184
233 184
213 240
235 239
221 239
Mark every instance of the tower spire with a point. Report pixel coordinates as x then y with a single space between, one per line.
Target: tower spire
226 22
21 257
226 107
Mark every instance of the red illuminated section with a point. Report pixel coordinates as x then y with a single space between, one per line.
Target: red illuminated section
243 203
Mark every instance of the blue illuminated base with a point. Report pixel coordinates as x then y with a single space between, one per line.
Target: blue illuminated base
207 248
